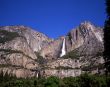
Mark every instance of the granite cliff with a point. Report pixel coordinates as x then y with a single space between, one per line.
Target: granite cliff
26 53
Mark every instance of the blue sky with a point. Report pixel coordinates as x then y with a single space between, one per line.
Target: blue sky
52 17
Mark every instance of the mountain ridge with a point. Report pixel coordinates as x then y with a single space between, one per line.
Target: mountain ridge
35 52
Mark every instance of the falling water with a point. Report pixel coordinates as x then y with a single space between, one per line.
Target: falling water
63 51
39 47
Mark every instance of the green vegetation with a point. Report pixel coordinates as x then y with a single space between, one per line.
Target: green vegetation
10 65
84 80
62 67
106 38
72 55
69 35
6 36
91 67
99 54
40 59
52 82
6 65
10 51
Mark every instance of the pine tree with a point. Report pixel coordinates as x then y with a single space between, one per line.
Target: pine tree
107 38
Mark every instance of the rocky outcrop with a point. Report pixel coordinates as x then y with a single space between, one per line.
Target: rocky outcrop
18 72
86 36
84 50
62 73
17 52
27 53
64 63
35 39
74 67
17 48
53 49
62 68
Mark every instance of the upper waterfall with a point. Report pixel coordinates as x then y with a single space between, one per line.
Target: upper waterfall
63 51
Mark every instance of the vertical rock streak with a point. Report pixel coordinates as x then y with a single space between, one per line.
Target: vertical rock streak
97 34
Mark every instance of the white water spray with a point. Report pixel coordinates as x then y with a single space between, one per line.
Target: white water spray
63 51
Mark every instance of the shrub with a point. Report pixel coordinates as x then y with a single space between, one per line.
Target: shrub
71 82
52 82
40 59
84 80
72 55
7 36
63 67
87 80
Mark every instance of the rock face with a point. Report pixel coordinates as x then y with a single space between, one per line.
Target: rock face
84 49
18 45
52 50
87 39
18 72
86 35
27 53
35 40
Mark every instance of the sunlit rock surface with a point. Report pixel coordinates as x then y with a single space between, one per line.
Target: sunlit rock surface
32 53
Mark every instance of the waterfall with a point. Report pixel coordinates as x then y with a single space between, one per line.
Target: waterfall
63 51
39 47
